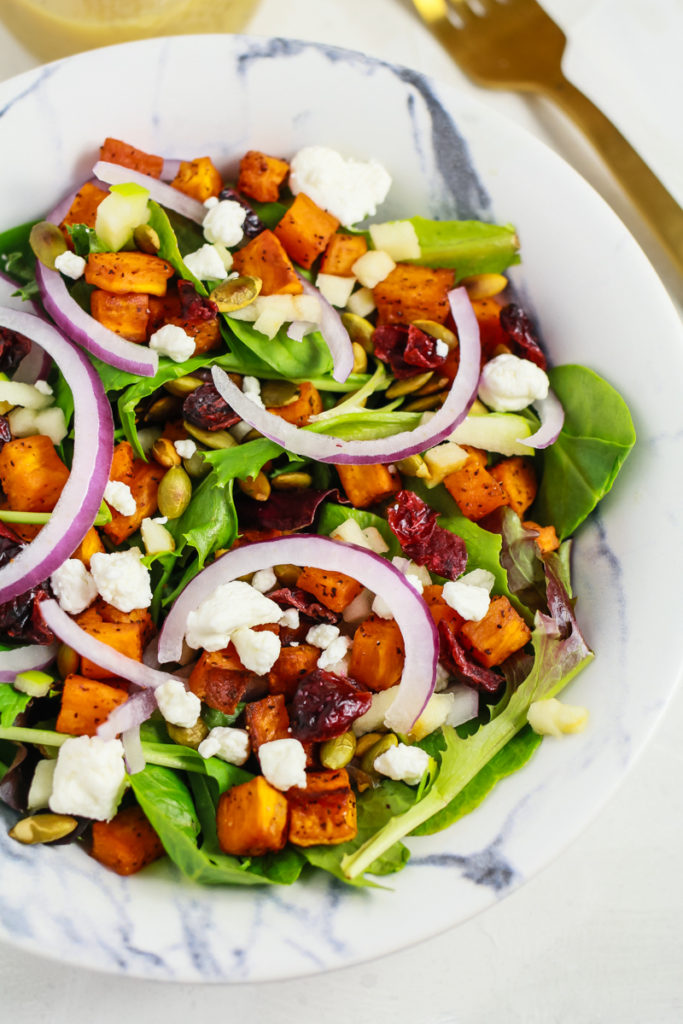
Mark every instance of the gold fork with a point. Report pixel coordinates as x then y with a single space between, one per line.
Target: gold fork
514 44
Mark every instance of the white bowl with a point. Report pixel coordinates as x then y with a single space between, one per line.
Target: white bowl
597 301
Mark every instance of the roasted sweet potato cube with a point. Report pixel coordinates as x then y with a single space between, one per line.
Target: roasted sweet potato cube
517 477
220 680
206 333
127 843
438 608
369 484
122 272
252 819
499 634
341 253
139 616
547 539
83 209
125 314
114 151
474 490
333 589
290 668
32 474
324 812
88 546
128 637
305 229
299 412
144 483
377 654
265 257
86 703
260 176
413 293
493 338
198 179
267 720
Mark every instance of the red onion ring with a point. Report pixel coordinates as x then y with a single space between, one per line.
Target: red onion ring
169 169
551 415
132 748
26 659
412 615
326 448
334 333
82 494
160 192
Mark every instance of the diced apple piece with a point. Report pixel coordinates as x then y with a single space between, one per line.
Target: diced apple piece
361 302
495 432
398 238
373 267
443 459
124 209
334 288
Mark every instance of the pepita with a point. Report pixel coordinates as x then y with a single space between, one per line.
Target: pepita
426 403
188 737
485 286
276 393
291 481
43 828
408 385
367 761
162 409
68 661
196 466
215 439
164 453
360 330
438 331
256 487
360 358
287 574
413 465
47 243
175 491
236 293
437 383
183 386
337 752
146 239
365 742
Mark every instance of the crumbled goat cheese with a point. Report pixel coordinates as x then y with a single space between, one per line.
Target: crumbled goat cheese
263 580
185 448
178 705
71 265
223 223
229 607
120 497
334 653
206 264
349 189
40 789
258 650
509 384
251 387
231 745
290 619
122 579
403 763
322 635
211 202
73 586
441 349
89 779
283 762
469 596
172 341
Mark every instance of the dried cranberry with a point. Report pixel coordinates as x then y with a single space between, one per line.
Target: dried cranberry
299 599
20 618
414 524
408 350
520 331
5 432
324 706
194 306
253 225
485 680
10 544
13 348
208 410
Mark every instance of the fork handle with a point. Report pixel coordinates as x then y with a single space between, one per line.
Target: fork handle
657 206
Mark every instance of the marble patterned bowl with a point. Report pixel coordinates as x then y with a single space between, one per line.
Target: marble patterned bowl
597 301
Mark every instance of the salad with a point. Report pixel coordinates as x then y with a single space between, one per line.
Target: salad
287 498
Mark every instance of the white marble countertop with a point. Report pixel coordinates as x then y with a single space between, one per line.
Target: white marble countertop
598 935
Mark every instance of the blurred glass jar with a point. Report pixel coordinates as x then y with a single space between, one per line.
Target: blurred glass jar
57 28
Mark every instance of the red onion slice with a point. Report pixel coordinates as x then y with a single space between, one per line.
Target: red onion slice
326 448
169 169
334 333
25 659
552 418
465 704
412 615
160 192
82 494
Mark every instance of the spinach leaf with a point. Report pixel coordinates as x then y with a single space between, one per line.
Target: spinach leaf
12 703
17 259
85 240
209 521
169 238
303 359
467 246
581 466
212 717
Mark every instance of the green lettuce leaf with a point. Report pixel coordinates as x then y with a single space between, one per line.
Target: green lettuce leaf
467 246
331 516
12 703
303 359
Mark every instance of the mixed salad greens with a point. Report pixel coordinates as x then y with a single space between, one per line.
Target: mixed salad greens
286 517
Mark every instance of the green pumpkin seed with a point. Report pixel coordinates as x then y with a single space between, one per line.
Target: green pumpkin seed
408 385
175 491
43 828
236 293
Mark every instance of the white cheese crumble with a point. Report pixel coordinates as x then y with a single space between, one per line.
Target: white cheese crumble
403 763
251 387
469 596
71 265
332 658
258 650
322 635
120 497
349 189
40 789
290 619
283 762
231 745
211 202
185 448
223 223
172 341
441 348
206 264
230 606
121 579
73 586
89 779
509 384
178 705
263 580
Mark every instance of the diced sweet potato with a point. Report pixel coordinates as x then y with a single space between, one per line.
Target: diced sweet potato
299 412
139 616
377 654
265 257
143 480
341 253
333 589
206 333
267 720
499 634
122 272
547 539
252 819
127 843
83 209
292 665
32 474
305 230
324 812
128 637
198 179
86 703
413 293
88 546
116 152
517 477
125 314
220 680
492 335
260 176
474 490
438 608
366 485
